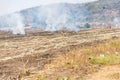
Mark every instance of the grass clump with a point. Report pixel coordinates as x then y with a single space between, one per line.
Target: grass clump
107 59
106 53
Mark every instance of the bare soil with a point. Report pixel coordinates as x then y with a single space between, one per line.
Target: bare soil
111 72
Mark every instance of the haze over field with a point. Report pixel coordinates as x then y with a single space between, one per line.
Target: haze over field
49 15
60 14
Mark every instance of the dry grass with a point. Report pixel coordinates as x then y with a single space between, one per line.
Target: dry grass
77 59
66 64
115 76
108 53
92 54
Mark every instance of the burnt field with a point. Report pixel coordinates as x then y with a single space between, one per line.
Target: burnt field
22 56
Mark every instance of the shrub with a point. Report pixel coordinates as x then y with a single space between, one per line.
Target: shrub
87 25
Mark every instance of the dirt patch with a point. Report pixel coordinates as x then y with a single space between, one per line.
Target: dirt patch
106 73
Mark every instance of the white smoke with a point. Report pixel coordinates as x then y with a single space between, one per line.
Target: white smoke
54 17
55 20
14 23
59 17
117 21
18 28
17 24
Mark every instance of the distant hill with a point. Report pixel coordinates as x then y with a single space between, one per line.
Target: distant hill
104 10
99 13
63 13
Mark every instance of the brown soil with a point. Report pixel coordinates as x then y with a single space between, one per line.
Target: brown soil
111 72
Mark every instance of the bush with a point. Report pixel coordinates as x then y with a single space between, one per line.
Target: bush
87 25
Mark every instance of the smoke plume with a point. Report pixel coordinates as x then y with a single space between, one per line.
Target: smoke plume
53 17
59 16
13 22
116 21
58 19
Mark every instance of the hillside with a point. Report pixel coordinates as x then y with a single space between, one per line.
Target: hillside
102 13
104 10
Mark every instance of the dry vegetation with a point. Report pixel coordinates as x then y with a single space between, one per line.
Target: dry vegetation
59 55
80 62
